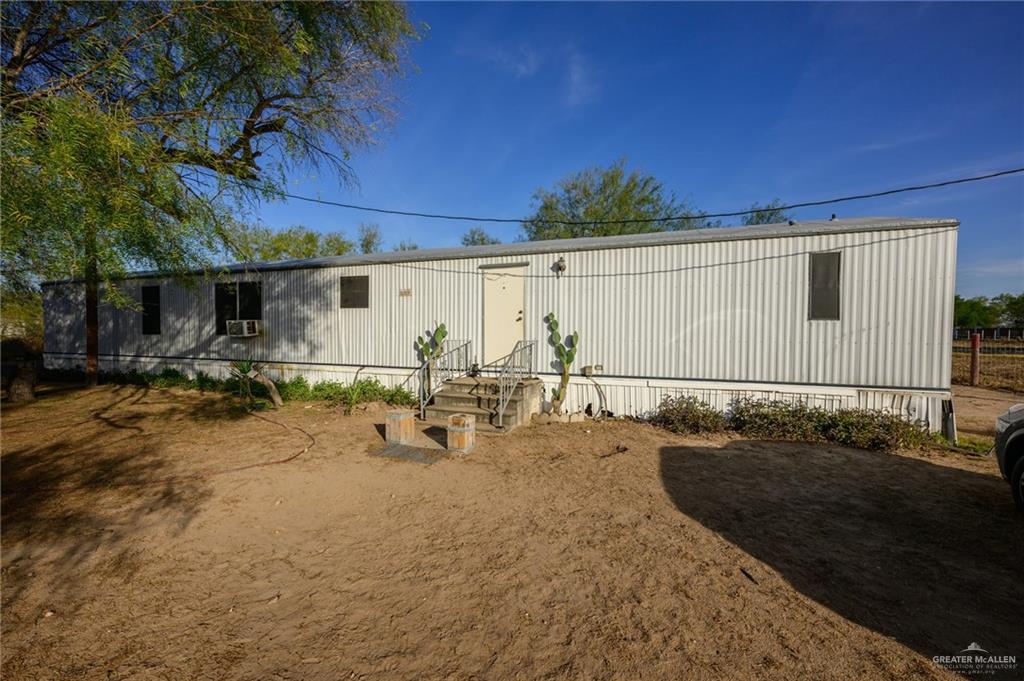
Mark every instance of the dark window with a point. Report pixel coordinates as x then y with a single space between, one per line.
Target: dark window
250 300
151 310
355 291
242 300
824 285
225 301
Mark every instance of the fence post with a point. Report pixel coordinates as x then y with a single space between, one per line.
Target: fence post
975 358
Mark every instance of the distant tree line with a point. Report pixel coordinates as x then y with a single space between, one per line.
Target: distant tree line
1005 310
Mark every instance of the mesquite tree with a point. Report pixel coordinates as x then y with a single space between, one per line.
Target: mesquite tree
134 130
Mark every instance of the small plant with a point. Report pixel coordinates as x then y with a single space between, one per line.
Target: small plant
875 430
243 372
775 420
565 351
204 382
251 389
862 428
296 389
170 378
430 348
687 414
358 392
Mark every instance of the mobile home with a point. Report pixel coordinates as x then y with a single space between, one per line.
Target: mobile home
839 313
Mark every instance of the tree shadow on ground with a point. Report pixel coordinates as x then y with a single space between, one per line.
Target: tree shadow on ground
81 479
929 555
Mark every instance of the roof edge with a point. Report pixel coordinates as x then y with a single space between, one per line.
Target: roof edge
522 248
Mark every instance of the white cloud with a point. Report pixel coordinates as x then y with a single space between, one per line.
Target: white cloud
994 268
897 142
580 84
522 61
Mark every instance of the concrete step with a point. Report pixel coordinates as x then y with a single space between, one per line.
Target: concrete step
485 401
485 385
479 397
481 427
486 420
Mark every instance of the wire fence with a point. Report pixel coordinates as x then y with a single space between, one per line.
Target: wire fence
1000 363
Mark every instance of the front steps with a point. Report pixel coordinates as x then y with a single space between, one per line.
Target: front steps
479 397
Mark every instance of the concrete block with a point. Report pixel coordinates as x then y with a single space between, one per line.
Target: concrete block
400 426
461 433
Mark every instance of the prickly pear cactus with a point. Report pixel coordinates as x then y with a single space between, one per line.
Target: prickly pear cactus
430 347
565 352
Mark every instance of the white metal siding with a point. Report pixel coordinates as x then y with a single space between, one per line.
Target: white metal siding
719 311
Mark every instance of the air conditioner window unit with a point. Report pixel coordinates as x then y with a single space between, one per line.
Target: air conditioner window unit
243 328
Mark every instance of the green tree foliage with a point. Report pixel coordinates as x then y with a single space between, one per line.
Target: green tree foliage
405 246
21 318
768 214
1011 309
260 244
123 121
478 237
599 195
980 313
85 196
369 238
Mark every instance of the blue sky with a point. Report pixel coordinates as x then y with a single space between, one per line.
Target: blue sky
726 104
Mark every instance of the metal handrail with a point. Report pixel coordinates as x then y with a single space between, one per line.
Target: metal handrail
517 365
455 361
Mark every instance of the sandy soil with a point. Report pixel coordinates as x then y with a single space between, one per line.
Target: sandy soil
977 408
585 551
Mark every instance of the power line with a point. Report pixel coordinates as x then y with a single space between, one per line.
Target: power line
674 218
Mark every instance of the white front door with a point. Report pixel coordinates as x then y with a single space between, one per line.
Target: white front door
504 310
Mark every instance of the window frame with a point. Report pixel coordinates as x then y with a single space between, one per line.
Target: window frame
222 330
811 317
148 317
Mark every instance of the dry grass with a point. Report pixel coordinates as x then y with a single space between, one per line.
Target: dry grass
1003 371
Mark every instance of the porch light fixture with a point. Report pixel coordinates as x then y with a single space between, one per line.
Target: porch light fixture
560 266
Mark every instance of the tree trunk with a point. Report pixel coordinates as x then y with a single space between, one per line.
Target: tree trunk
23 385
92 316
275 396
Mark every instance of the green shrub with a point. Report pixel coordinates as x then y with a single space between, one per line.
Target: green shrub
358 392
874 430
169 378
773 420
862 428
204 382
294 389
329 391
687 414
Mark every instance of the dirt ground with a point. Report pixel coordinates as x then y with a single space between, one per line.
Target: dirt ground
977 408
147 535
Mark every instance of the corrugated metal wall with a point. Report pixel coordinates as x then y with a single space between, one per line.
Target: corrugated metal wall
711 311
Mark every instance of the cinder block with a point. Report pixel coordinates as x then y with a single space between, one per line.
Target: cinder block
400 426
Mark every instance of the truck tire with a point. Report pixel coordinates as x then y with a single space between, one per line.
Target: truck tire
1017 484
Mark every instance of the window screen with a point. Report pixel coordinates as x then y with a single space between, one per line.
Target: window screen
151 310
241 300
355 291
824 286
